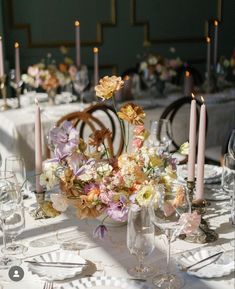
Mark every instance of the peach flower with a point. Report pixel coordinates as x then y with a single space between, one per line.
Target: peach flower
108 86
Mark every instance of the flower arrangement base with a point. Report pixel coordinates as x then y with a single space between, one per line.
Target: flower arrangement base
109 222
44 208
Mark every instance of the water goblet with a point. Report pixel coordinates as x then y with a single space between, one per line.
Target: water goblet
140 240
166 217
231 144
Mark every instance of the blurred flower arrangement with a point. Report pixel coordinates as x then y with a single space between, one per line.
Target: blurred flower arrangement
225 72
50 76
155 71
89 178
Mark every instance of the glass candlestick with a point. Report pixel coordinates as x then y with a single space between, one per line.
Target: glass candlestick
3 89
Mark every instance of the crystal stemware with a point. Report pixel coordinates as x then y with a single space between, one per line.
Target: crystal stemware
140 240
231 144
9 200
166 216
160 135
228 175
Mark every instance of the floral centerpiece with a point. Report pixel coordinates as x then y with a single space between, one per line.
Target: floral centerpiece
155 71
49 76
89 178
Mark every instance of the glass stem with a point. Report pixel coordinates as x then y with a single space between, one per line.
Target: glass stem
168 256
140 263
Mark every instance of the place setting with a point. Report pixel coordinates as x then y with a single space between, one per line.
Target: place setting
117 155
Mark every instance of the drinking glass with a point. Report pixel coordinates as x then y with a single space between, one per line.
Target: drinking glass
166 218
228 174
0 160
9 201
13 226
231 144
140 240
16 164
160 135
81 83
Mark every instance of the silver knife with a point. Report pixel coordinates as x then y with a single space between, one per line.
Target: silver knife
201 261
57 264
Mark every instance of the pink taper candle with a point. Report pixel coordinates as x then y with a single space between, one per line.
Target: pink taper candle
216 24
38 147
78 43
201 153
96 65
17 62
192 140
1 59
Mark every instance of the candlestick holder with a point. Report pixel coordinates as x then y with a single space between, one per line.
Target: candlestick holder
44 208
3 89
204 233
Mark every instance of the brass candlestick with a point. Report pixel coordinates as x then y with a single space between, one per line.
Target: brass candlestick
18 91
204 234
3 89
44 208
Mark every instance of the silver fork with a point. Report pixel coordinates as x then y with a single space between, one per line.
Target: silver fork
48 285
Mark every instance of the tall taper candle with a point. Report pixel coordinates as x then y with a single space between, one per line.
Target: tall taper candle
96 65
188 83
192 140
17 62
38 147
216 24
1 59
78 43
201 153
208 60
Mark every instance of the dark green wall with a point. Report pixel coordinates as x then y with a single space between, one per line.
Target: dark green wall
41 26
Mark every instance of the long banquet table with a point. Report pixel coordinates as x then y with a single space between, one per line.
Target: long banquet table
17 125
110 257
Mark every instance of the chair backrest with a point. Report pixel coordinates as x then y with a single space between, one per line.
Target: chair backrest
112 122
171 111
86 124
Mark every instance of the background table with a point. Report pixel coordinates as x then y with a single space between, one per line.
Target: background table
17 125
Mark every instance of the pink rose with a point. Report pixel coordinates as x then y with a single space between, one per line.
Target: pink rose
168 209
137 143
189 222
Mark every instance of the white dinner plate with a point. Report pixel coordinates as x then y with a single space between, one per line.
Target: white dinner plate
214 268
105 282
57 273
212 174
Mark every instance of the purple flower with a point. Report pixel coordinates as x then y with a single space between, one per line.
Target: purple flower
173 162
106 197
89 187
100 232
118 211
65 138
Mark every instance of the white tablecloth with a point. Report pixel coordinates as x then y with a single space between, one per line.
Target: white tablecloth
111 256
17 126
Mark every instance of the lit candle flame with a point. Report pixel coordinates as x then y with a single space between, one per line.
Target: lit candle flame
193 96
202 99
95 50
216 23
36 101
17 45
187 73
208 40
77 23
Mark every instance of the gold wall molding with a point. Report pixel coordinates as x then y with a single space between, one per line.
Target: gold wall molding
148 39
96 42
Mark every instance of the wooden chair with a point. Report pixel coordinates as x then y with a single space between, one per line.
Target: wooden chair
171 111
81 121
112 122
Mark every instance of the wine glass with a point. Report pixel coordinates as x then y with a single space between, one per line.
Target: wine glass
13 226
228 174
81 82
160 135
16 164
231 144
0 160
9 201
165 215
140 239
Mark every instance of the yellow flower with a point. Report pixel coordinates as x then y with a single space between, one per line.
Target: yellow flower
132 113
144 195
184 148
155 161
107 86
